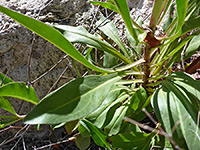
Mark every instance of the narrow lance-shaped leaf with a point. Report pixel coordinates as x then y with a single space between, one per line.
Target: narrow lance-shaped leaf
19 90
7 122
155 14
98 136
181 7
103 115
124 12
73 100
137 140
191 24
52 36
81 35
109 29
176 105
113 127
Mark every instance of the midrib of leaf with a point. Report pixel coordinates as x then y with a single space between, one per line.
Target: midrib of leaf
90 91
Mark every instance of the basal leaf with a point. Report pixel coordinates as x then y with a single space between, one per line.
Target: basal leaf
136 141
109 29
176 105
5 104
105 114
73 100
156 13
109 60
52 36
81 35
181 6
138 98
83 131
98 136
19 90
113 127
107 108
124 12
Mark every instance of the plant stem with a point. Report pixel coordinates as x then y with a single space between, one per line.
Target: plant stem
146 52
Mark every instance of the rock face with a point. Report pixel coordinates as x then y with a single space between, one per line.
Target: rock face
18 45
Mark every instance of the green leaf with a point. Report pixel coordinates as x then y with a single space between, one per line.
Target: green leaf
105 110
191 24
5 79
193 9
169 18
128 127
7 123
124 12
192 47
156 13
136 141
130 66
19 90
56 126
176 105
115 124
98 136
81 35
52 36
141 36
5 104
105 5
181 6
82 142
138 98
71 126
163 142
83 131
73 100
109 29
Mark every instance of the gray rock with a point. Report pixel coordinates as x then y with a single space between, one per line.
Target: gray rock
16 41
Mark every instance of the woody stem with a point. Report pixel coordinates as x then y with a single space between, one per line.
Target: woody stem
146 52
